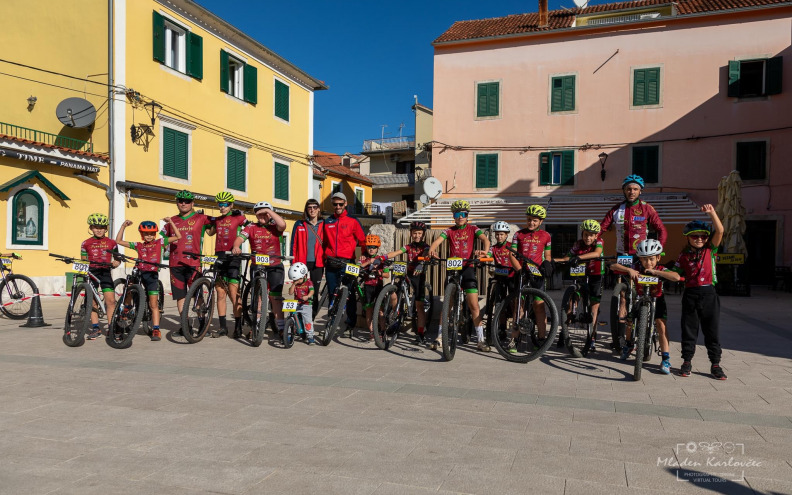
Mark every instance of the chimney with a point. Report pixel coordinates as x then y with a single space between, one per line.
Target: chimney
542 13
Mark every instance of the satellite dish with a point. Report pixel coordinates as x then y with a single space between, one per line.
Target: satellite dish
581 3
424 199
76 112
432 187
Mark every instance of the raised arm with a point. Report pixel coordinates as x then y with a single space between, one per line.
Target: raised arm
120 235
717 226
176 234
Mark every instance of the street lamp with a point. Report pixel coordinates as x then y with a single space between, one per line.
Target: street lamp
603 157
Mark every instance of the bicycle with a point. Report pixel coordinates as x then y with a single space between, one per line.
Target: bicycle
16 291
350 280
619 288
255 296
294 324
644 331
386 328
199 302
517 314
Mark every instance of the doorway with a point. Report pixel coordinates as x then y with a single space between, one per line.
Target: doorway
760 240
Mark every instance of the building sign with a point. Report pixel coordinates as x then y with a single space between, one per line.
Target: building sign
30 157
730 259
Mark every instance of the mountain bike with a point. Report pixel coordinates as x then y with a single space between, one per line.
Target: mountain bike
16 291
515 330
397 301
351 279
621 287
641 313
255 296
199 302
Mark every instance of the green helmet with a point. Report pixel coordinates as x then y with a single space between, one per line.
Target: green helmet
185 194
536 211
224 197
460 205
98 219
591 226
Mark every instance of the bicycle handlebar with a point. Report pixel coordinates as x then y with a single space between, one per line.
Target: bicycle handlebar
69 259
124 258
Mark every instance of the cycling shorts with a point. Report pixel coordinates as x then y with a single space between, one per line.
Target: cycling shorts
595 288
228 270
182 277
469 280
661 309
275 277
105 279
150 282
418 283
501 283
370 293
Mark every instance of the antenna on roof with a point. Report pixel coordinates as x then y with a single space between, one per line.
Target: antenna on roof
581 3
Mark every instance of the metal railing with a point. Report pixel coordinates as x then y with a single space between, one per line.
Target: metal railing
366 209
387 144
45 137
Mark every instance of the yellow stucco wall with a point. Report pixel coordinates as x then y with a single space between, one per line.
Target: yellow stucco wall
348 187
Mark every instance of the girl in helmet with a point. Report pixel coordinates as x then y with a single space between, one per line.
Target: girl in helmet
94 250
649 252
302 289
149 250
700 303
377 273
417 248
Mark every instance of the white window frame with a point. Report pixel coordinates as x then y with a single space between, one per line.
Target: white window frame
500 99
766 180
45 204
176 125
550 93
236 77
659 159
244 148
172 29
282 161
274 100
632 86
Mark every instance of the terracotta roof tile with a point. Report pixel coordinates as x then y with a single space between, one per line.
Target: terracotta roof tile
332 163
53 147
559 19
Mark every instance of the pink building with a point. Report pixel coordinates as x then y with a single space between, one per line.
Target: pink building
678 92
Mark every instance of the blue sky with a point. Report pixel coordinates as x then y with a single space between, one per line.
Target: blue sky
374 56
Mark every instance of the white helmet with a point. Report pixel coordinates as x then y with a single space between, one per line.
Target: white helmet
500 226
649 247
260 205
298 270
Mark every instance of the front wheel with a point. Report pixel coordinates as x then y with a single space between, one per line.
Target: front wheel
515 329
16 296
288 333
126 320
335 314
198 310
449 320
388 324
641 330
78 315
575 323
259 311
616 331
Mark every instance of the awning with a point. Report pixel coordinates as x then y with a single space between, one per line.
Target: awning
33 174
673 208
49 160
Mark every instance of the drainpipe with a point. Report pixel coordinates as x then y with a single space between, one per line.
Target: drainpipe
542 13
110 113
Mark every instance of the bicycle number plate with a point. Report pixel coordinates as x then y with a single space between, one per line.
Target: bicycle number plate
399 268
534 270
352 269
501 270
624 260
454 264
81 268
262 260
209 260
647 280
578 271
290 306
6 261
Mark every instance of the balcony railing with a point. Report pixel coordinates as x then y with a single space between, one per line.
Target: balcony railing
389 144
45 137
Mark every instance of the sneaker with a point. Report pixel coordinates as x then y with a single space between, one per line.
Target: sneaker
219 333
685 369
560 342
593 346
371 335
665 367
311 341
156 336
436 344
626 351
483 347
512 347
419 339
95 334
717 372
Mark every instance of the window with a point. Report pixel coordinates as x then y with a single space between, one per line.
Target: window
281 181
488 99
359 200
175 147
237 78
752 78
236 169
177 47
646 163
557 168
487 171
282 100
646 87
751 160
336 187
405 167
27 227
562 94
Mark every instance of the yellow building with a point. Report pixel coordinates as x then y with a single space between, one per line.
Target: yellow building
195 104
337 177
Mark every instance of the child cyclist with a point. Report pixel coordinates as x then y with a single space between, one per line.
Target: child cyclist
700 303
649 252
417 248
503 273
227 226
462 238
94 250
150 250
589 247
372 285
302 290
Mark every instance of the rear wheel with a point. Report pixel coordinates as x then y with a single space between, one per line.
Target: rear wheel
575 323
125 321
520 329
391 320
641 329
198 310
450 321
616 333
288 333
16 296
259 311
78 315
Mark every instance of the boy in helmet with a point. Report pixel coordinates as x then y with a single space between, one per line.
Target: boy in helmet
700 303
417 248
94 250
649 252
302 289
149 250
373 283
462 238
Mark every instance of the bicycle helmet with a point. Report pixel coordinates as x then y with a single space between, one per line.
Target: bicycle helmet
630 179
185 194
148 227
649 247
298 270
537 211
500 227
224 197
460 205
417 226
98 219
697 227
261 205
591 226
373 240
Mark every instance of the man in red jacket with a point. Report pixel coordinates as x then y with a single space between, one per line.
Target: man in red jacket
341 235
306 246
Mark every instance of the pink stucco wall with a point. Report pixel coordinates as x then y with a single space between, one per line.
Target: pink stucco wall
693 54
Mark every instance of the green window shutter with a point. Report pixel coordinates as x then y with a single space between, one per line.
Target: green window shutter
639 87
734 79
281 100
545 169
557 96
250 84
568 168
158 31
168 151
281 181
653 86
488 99
224 71
487 171
194 55
481 100
235 174
569 93
773 68
180 155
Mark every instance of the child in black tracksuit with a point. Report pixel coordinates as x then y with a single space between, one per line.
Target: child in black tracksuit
700 303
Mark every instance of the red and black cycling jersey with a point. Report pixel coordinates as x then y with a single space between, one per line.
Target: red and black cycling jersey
632 225
149 251
302 290
697 266
414 251
594 267
264 239
227 228
94 249
192 228
501 253
533 245
374 276
462 240
654 290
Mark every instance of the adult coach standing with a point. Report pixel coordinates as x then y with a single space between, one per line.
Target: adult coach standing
306 246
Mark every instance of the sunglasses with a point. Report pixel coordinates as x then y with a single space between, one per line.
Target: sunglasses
460 214
223 205
338 204
184 201
313 207
698 236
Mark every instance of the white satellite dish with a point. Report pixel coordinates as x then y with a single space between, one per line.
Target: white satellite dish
432 187
581 3
424 198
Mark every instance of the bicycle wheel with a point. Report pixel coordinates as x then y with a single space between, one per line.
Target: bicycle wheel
335 314
125 322
289 328
160 297
16 296
78 315
576 330
509 327
429 307
198 310
383 326
259 311
450 321
641 329
616 334
322 298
